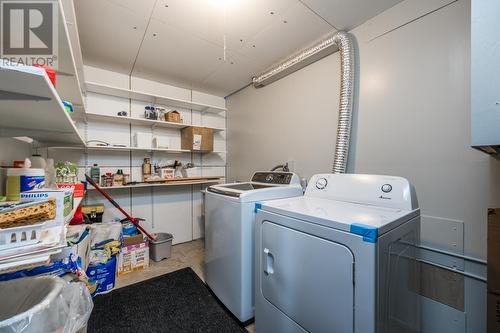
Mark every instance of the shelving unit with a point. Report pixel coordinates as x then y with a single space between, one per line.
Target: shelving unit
70 79
150 98
210 181
143 121
31 107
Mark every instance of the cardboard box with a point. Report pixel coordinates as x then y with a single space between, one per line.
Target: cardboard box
78 189
133 258
197 138
173 117
64 200
103 275
494 250
132 240
493 322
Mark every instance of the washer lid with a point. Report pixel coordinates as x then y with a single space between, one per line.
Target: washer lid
252 192
365 220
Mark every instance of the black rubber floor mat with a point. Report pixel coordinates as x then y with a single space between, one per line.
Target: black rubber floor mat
175 302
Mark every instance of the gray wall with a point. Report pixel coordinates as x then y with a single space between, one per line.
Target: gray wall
412 119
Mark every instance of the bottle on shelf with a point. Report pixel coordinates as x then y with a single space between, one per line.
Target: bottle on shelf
118 178
38 162
126 178
95 173
50 174
146 169
109 179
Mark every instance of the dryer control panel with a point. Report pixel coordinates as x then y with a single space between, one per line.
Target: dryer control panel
382 191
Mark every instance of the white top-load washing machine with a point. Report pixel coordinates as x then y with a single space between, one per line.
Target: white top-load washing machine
229 230
342 258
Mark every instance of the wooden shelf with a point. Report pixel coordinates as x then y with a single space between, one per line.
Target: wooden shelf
142 121
178 183
31 107
150 98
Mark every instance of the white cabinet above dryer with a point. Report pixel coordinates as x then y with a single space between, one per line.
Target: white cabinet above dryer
485 76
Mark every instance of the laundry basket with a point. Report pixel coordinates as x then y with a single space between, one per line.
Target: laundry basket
43 304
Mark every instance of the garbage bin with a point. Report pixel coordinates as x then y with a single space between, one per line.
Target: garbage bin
43 304
161 247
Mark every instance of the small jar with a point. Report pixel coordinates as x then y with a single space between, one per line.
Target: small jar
126 178
109 179
118 178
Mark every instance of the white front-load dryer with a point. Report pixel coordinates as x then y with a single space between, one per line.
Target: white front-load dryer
342 258
229 230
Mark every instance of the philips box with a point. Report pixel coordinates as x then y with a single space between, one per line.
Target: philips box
64 200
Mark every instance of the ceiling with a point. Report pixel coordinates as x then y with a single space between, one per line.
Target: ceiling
181 42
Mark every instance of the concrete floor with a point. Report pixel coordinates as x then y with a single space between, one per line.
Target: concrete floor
189 254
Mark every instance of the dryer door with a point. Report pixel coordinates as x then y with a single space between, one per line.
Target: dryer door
308 278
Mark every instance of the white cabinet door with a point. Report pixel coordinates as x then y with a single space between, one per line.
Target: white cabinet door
308 278
485 73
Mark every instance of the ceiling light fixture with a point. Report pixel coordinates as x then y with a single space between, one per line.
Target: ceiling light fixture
224 4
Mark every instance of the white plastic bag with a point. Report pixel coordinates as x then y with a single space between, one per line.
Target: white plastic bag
100 232
43 304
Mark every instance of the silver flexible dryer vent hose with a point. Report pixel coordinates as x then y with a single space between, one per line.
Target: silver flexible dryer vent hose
324 47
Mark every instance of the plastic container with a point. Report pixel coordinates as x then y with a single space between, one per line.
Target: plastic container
20 236
51 73
38 162
43 304
22 180
68 106
161 248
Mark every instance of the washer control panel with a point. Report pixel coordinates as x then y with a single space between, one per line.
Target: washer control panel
278 178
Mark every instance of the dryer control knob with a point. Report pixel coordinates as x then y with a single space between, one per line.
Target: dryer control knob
321 183
386 188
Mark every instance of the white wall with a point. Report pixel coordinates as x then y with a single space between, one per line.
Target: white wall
412 119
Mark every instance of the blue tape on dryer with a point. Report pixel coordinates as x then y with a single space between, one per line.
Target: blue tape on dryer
258 206
369 233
